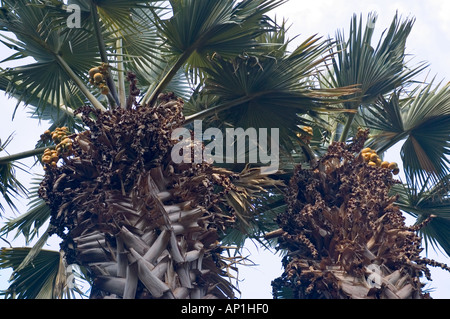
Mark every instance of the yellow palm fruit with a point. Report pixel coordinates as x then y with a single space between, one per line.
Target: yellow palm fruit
46 159
393 165
385 164
374 157
378 162
105 90
366 150
366 157
98 77
372 163
93 71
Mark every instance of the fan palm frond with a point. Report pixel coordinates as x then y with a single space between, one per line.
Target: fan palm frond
422 119
197 30
46 278
430 205
10 186
265 92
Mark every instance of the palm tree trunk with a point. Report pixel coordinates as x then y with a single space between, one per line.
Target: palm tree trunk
174 260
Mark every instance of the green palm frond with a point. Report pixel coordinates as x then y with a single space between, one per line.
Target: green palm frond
265 92
197 30
62 55
422 119
377 70
45 278
423 202
29 223
10 186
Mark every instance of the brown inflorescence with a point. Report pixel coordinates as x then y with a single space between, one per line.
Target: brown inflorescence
340 221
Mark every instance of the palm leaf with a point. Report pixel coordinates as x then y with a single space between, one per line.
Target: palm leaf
422 202
254 199
61 55
265 92
10 186
377 70
199 29
423 119
45 278
29 223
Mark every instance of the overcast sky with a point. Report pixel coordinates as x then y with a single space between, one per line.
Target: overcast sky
429 41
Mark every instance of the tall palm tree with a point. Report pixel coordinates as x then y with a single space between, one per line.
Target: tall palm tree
138 224
343 228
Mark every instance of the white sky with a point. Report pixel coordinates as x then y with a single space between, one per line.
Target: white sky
429 41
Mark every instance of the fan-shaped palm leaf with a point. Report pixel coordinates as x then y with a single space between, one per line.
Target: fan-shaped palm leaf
29 223
377 70
266 92
46 278
199 29
425 202
10 187
62 55
422 119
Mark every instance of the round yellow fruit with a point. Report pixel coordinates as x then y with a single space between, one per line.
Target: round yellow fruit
98 77
374 157
372 163
393 165
93 71
378 162
385 164
366 150
105 90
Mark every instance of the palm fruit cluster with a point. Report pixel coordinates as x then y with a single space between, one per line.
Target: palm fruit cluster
63 146
343 235
50 157
97 76
371 157
306 138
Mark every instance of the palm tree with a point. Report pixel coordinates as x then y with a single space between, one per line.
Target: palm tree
343 229
138 224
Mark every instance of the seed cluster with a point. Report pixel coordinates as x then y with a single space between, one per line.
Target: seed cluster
97 77
371 157
63 146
